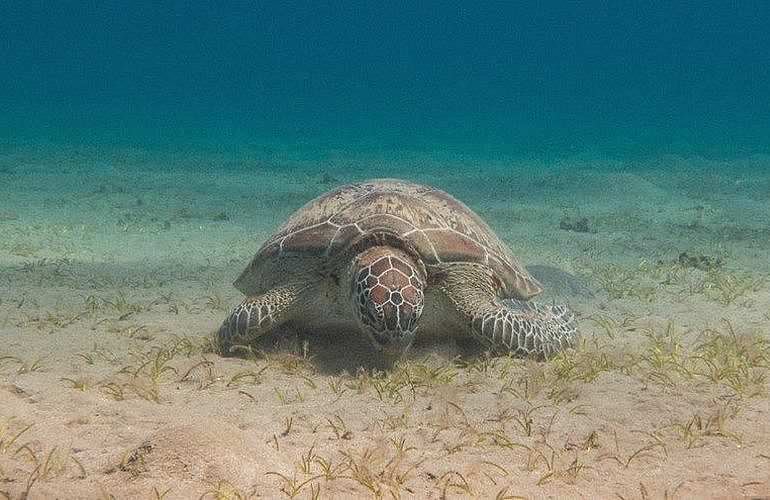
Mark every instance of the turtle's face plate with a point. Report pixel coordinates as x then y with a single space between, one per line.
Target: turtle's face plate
388 296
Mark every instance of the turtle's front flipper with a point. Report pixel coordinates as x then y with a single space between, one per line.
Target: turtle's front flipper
522 328
258 315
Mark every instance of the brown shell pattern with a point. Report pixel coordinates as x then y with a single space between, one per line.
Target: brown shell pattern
440 227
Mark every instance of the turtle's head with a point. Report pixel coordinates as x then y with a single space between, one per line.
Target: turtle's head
387 288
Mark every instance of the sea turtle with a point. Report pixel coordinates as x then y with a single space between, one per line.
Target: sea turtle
385 256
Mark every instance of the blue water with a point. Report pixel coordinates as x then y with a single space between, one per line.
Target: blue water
534 78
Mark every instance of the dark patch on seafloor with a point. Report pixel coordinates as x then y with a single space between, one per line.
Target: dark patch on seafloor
325 347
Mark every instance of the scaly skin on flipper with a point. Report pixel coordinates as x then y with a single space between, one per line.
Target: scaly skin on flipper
521 328
257 315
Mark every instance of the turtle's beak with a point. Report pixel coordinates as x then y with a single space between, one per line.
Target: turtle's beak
392 344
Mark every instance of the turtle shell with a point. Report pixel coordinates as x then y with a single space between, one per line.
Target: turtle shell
428 221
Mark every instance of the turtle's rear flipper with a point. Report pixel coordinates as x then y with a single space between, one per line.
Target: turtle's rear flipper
257 315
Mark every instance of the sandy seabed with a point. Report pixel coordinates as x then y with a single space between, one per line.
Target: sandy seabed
116 266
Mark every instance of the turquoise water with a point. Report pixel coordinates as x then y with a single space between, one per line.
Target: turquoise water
607 78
